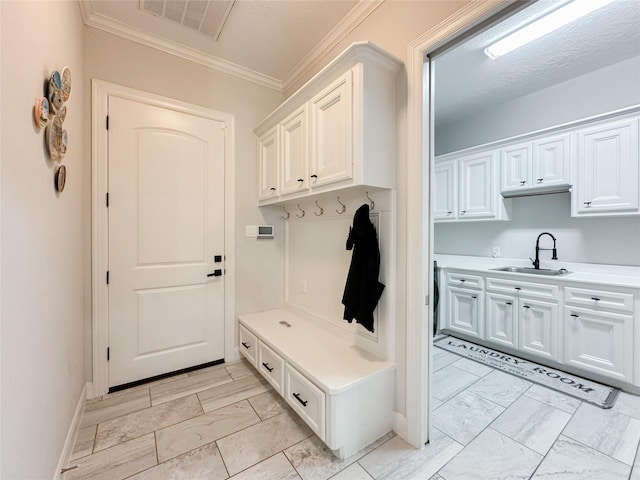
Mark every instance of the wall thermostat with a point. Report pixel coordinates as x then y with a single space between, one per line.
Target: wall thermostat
265 231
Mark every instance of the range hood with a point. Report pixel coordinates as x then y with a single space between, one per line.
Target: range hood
529 192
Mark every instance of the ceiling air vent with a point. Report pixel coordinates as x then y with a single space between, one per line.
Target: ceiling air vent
204 16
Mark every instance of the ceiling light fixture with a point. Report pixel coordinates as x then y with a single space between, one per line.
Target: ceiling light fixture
550 22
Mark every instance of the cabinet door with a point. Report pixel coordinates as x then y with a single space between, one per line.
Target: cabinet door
445 188
332 133
601 342
295 152
515 164
537 325
464 311
607 168
501 319
476 187
551 161
268 158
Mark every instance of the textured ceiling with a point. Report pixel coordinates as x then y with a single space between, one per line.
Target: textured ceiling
467 81
269 37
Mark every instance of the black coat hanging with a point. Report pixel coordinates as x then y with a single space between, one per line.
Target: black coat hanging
362 290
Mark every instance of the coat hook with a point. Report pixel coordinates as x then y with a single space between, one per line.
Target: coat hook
285 211
371 202
321 210
300 216
343 209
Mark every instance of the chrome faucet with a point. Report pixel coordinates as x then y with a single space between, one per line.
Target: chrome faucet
536 262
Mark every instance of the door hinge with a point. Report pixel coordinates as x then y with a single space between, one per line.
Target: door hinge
107 199
108 353
107 277
107 122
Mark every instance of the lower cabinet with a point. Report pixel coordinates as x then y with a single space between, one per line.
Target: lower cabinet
502 319
537 327
600 342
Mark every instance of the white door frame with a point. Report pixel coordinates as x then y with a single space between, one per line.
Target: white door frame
419 222
100 92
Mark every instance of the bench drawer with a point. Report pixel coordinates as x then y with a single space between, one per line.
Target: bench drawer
271 366
307 400
248 344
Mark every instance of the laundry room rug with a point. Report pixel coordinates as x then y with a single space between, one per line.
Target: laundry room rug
601 395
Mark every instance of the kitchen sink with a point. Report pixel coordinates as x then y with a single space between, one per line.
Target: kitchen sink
534 271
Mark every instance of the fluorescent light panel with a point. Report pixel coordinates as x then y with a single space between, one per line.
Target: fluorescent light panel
554 20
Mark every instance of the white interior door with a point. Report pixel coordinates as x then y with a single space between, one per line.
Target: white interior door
166 225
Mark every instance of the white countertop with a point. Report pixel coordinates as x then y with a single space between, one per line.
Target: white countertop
611 275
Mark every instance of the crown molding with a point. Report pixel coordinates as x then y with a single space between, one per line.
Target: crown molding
355 17
107 24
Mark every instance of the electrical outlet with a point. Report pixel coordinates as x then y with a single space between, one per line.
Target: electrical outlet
495 253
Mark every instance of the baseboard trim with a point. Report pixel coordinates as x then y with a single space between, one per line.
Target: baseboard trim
400 425
72 434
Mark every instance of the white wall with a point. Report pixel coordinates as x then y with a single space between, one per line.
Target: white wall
42 265
610 88
591 240
124 62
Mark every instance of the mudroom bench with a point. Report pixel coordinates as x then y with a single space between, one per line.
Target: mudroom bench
343 393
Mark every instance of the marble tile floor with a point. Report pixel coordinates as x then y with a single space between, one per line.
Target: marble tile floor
226 422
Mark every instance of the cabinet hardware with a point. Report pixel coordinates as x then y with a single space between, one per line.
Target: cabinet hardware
303 402
266 365
462 280
588 204
462 212
539 180
509 303
246 345
574 315
474 296
273 189
595 299
523 182
301 180
449 213
526 306
518 288
315 177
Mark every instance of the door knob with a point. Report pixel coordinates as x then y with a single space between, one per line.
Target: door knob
216 273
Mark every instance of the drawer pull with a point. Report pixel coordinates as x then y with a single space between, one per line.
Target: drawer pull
587 204
518 288
266 365
462 212
523 182
539 180
303 402
509 303
526 306
448 213
462 280
474 296
246 345
574 315
595 299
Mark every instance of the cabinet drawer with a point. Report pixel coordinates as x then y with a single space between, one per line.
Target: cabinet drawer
599 299
248 344
271 366
523 289
307 400
464 280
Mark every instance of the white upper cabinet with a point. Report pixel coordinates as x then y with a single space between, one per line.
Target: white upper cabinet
338 131
540 165
268 172
445 188
295 152
332 132
607 169
477 192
